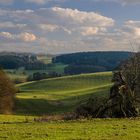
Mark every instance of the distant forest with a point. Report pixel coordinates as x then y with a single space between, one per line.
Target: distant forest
88 62
76 63
17 60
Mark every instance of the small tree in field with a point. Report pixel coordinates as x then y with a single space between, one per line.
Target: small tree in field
7 94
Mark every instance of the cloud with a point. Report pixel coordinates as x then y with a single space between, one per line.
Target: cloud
81 17
75 21
6 35
26 37
61 30
132 23
9 24
56 19
90 31
56 29
48 27
133 27
137 31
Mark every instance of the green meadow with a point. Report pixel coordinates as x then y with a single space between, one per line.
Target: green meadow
20 75
61 95
16 128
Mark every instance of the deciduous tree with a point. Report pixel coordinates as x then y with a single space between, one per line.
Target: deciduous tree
7 93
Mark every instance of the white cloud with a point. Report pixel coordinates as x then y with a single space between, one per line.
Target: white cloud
48 27
9 24
60 19
81 17
58 29
90 31
137 31
26 37
133 27
77 22
6 35
65 30
132 23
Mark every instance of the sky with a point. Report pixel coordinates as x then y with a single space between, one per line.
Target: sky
67 26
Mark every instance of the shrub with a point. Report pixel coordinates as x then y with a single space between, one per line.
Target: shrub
7 94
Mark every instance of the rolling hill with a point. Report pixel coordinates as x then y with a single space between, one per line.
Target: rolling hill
89 62
58 95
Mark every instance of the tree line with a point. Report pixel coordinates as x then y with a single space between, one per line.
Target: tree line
88 62
17 60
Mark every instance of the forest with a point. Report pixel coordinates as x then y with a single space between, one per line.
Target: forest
88 62
17 60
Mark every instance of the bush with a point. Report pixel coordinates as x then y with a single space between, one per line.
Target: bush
40 76
7 94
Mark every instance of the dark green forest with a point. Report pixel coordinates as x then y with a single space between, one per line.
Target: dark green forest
17 60
76 63
88 62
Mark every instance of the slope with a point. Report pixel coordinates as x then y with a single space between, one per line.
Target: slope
62 94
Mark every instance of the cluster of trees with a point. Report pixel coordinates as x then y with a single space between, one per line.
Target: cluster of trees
39 76
88 62
7 93
17 60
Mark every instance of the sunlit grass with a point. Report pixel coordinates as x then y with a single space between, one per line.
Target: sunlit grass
16 128
59 95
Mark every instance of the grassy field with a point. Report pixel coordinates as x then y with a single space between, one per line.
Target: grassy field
58 68
62 94
59 95
21 74
15 128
